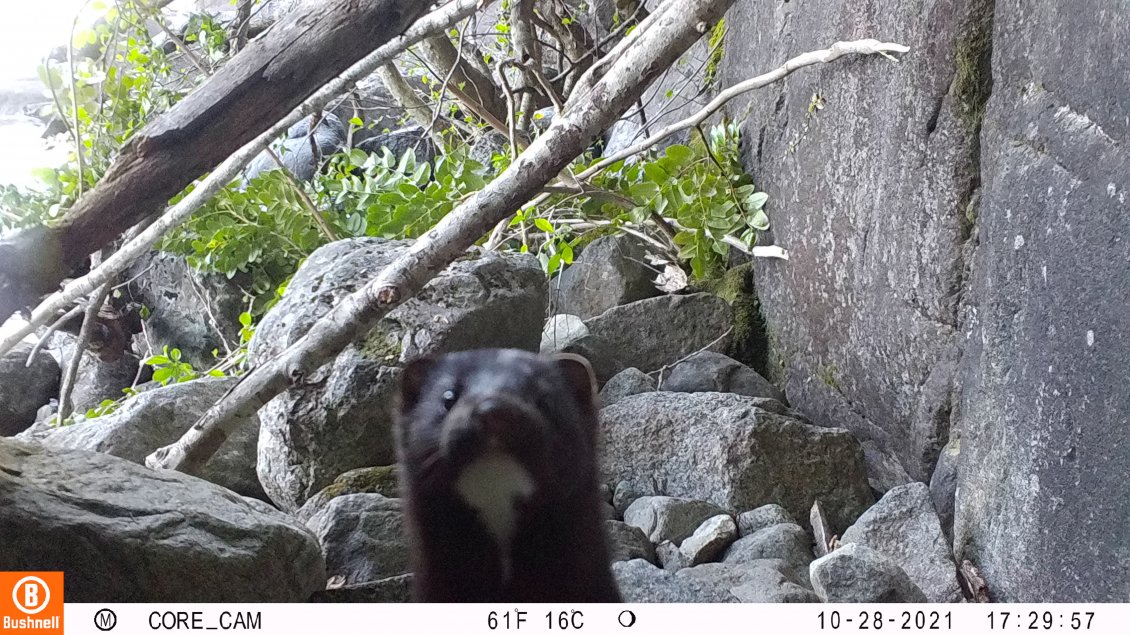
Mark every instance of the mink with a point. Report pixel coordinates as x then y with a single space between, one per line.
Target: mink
498 466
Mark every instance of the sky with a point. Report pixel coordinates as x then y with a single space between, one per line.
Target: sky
29 29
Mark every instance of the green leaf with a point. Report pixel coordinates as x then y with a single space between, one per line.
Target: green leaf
544 225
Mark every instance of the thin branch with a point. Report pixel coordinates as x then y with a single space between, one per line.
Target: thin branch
90 318
836 51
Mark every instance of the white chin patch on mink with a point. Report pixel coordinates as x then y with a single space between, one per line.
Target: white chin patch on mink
492 485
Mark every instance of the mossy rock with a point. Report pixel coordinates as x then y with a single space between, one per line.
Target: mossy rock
363 480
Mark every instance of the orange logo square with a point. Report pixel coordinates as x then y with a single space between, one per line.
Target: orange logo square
31 602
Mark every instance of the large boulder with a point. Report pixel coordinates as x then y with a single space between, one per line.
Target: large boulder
340 417
855 573
714 372
649 334
23 389
872 194
125 533
301 153
158 417
669 518
1042 500
904 527
362 537
757 450
611 271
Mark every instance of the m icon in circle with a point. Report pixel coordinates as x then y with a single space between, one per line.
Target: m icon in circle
105 620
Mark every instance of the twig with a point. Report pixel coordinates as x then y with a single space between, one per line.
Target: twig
55 326
90 318
659 372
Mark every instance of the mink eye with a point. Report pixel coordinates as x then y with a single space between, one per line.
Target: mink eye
449 399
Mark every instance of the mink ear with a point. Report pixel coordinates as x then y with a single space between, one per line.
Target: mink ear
412 380
580 379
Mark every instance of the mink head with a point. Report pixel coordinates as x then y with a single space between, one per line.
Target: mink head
539 411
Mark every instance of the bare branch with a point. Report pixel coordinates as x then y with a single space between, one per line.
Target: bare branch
90 318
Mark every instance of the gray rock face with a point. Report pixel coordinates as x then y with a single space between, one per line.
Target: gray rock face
669 518
628 382
193 311
640 581
339 419
762 517
626 542
755 581
786 542
872 197
486 146
649 334
297 151
124 533
709 540
1042 500
714 372
23 390
362 538
943 486
562 330
158 417
611 271
757 451
904 527
854 573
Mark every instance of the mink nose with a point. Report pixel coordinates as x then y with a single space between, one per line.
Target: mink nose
496 418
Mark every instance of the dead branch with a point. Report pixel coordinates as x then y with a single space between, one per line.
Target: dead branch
24 252
654 48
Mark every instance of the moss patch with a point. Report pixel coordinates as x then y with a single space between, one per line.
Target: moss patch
973 76
366 480
750 342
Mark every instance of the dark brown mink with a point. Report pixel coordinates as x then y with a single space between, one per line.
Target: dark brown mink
498 471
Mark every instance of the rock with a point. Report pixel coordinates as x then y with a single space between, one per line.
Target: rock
786 542
710 539
611 271
362 537
560 331
604 365
626 542
297 152
640 581
1042 499
855 573
159 417
762 517
23 390
904 527
866 335
756 581
669 556
486 147
628 382
98 380
669 518
395 589
943 486
363 480
624 495
714 372
884 472
649 334
758 451
188 310
400 142
339 418
125 533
